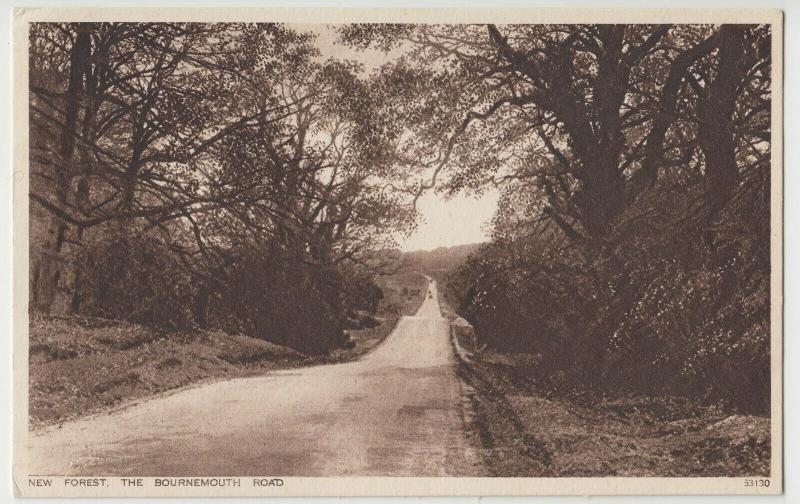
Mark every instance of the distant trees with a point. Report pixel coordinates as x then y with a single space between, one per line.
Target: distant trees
634 166
182 172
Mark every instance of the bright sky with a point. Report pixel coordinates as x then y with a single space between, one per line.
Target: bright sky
445 222
455 221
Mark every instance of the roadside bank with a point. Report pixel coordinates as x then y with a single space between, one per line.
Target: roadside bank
527 429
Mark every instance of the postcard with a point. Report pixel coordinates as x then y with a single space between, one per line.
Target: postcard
340 252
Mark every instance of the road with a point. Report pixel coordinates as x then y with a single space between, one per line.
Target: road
395 412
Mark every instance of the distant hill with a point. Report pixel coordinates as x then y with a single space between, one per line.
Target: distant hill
439 259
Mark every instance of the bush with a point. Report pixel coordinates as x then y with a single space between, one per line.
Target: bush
133 276
261 290
268 294
665 306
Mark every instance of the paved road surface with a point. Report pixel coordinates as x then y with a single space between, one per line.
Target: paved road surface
395 412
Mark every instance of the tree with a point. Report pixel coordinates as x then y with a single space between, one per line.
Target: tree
144 102
590 114
316 173
618 149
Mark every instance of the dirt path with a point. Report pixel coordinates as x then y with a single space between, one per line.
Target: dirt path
395 412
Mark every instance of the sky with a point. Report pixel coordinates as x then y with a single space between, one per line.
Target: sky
445 222
455 221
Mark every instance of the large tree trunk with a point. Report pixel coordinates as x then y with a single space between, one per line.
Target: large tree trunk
716 132
603 195
56 277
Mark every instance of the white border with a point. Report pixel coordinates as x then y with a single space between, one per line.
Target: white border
586 15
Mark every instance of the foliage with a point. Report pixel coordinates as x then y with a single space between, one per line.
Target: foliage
123 277
209 174
273 298
684 318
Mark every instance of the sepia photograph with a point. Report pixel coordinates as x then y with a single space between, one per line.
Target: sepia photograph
257 256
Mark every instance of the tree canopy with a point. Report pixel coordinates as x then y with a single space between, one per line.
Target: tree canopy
631 243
